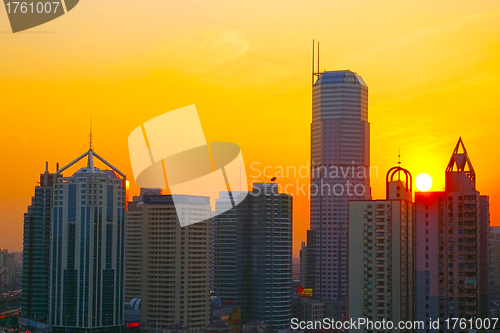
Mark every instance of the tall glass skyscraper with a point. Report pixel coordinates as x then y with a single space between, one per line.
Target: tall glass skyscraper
36 251
86 249
253 255
340 159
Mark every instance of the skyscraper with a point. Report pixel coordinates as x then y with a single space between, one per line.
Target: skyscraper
495 261
227 265
175 260
340 158
36 251
381 254
86 249
452 245
133 246
253 255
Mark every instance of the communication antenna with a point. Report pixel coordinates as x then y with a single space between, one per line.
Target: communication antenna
90 141
318 58
314 72
312 76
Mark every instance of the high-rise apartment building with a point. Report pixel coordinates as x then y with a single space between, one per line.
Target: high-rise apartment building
340 159
133 246
381 254
495 261
175 261
36 251
452 227
253 255
87 248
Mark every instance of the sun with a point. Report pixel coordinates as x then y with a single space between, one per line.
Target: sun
423 182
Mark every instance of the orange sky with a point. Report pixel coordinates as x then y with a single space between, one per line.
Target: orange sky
433 71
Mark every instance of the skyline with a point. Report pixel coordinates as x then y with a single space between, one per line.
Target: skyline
428 80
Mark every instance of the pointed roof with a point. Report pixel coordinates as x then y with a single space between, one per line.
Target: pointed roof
90 164
460 162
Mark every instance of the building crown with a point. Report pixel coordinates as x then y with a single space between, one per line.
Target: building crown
460 162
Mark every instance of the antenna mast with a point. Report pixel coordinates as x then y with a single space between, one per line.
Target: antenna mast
318 58
90 141
313 65
314 72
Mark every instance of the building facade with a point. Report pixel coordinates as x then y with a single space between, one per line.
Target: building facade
175 261
381 254
227 268
452 264
87 248
495 262
36 251
253 255
340 159
133 246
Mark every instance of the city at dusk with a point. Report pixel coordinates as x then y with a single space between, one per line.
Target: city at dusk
417 89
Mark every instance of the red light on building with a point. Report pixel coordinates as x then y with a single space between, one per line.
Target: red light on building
132 324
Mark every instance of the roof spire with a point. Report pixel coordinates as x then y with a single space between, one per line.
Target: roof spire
460 162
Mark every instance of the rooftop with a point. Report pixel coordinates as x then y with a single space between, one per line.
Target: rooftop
336 77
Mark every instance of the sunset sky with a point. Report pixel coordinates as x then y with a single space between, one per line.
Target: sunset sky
432 68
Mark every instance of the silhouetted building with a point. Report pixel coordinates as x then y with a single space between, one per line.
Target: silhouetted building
36 251
253 255
227 251
381 254
452 264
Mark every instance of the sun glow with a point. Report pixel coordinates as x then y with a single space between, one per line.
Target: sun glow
423 182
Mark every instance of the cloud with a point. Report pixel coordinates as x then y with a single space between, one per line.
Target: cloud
204 50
